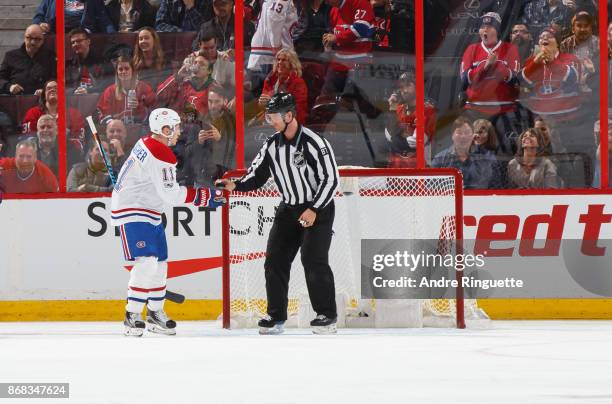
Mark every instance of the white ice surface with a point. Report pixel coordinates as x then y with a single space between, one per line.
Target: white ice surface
515 362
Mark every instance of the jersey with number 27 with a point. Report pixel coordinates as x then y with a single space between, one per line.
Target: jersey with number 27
146 182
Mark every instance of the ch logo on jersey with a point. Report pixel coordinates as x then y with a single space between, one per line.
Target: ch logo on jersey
298 159
141 244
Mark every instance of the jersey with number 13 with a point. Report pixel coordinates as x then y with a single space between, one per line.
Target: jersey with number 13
277 21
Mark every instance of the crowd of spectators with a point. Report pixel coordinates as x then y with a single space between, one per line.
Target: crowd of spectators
118 69
528 97
538 91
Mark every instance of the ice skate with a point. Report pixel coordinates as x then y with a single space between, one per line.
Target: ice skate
134 326
159 323
323 325
269 326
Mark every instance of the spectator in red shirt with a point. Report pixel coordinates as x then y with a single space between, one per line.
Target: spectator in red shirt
187 91
24 174
400 129
382 21
286 77
350 43
47 105
553 79
489 71
129 99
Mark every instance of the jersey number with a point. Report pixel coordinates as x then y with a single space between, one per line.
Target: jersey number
167 175
278 7
359 14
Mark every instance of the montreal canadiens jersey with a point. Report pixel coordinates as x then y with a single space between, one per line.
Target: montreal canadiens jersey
276 23
147 182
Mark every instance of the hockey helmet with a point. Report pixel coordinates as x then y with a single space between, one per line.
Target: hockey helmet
281 103
162 117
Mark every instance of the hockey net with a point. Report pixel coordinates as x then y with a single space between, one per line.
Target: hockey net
370 204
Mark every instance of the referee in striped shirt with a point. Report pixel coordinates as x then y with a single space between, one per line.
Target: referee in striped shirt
304 170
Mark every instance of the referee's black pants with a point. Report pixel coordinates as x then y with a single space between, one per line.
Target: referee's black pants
286 237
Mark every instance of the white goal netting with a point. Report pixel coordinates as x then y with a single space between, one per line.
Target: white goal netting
370 205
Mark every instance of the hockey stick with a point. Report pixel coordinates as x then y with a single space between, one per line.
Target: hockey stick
172 296
364 131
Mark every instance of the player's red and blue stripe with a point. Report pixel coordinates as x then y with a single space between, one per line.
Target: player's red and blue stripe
124 243
136 212
133 290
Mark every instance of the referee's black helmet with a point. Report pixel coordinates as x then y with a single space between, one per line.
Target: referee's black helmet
281 102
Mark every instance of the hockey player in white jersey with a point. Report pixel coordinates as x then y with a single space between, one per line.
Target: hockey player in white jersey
277 21
146 182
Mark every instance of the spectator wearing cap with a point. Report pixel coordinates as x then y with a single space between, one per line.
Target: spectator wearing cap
552 78
522 39
26 69
597 167
222 25
24 174
489 72
182 15
88 14
84 71
400 126
90 175
539 14
585 46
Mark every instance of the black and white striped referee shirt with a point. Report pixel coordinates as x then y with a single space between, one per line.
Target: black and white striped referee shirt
304 169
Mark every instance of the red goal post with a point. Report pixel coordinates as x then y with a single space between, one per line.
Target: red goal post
389 174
